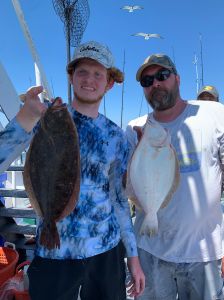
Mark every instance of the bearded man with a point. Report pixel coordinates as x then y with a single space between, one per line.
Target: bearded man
184 259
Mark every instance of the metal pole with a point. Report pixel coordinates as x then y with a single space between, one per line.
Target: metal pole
140 110
122 96
202 66
27 35
38 80
195 62
104 105
173 55
68 45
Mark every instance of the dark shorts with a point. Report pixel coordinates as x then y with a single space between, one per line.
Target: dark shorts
102 277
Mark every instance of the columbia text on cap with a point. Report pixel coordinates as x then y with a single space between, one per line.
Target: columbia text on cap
95 51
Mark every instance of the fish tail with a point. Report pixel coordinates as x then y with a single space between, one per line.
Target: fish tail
49 237
150 225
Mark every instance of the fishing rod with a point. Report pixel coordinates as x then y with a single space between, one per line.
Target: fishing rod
195 62
202 65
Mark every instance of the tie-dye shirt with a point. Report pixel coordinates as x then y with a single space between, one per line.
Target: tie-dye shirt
102 216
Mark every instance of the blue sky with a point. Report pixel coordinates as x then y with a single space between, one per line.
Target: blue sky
179 21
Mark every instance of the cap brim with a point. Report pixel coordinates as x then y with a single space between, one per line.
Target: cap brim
210 93
70 66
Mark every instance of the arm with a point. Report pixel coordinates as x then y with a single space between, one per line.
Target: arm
18 133
13 140
122 213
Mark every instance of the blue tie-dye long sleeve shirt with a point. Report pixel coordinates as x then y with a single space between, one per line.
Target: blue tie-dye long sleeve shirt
102 216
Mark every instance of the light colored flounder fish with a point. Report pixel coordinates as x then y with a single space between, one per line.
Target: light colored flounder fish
153 174
52 171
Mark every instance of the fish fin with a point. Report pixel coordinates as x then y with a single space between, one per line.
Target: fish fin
175 182
49 237
129 191
28 185
149 225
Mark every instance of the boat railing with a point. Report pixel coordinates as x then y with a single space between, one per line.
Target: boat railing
17 218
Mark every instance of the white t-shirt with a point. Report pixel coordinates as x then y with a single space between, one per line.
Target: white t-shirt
191 225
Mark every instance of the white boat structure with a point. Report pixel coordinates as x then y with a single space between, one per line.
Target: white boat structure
17 218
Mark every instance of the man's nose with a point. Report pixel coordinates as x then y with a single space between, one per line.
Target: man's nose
156 83
89 76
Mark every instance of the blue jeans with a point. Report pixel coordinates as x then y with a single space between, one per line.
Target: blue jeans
183 281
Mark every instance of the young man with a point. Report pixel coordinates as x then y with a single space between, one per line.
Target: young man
184 258
90 235
208 93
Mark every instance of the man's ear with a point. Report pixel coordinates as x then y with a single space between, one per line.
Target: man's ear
110 84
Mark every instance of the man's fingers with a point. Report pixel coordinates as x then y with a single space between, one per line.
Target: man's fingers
137 286
34 91
22 97
142 286
138 131
57 101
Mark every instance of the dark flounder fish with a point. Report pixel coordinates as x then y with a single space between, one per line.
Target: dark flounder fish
52 171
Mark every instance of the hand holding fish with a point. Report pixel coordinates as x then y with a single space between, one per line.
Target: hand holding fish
139 132
57 101
32 110
136 285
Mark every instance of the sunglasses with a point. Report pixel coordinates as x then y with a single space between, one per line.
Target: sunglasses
161 75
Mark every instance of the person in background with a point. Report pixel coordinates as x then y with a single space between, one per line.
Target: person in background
208 93
90 236
184 258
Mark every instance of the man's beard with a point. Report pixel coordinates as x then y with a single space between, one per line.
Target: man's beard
88 101
161 99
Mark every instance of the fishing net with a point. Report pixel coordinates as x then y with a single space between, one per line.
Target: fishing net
75 15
